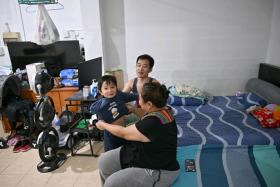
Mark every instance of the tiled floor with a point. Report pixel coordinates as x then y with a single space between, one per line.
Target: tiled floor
20 169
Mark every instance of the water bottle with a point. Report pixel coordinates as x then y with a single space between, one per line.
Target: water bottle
85 91
94 88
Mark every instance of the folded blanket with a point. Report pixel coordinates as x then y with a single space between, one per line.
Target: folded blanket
68 74
186 91
186 96
69 82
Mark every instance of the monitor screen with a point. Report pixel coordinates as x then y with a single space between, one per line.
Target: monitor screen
70 53
56 56
88 70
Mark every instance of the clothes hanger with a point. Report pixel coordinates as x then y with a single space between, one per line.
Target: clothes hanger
57 6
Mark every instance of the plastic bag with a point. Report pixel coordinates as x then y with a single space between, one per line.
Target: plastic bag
46 31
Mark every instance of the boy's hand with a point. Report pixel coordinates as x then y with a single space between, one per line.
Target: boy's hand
100 124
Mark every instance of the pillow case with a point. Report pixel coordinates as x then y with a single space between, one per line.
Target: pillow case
251 99
265 117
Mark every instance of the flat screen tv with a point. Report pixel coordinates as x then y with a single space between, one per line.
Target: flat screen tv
56 56
88 70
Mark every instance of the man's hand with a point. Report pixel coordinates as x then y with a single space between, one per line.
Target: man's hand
100 124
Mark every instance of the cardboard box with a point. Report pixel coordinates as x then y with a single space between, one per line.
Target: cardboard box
32 69
11 37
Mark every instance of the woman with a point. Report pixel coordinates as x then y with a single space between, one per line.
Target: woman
149 159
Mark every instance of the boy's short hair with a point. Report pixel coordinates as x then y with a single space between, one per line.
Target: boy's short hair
146 57
109 79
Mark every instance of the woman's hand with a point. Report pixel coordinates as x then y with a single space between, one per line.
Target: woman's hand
130 108
100 124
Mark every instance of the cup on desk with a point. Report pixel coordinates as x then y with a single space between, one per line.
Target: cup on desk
85 91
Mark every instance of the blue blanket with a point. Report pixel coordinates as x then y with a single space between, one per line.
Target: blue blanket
222 121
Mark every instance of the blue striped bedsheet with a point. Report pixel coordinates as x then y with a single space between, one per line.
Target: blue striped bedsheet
240 166
221 121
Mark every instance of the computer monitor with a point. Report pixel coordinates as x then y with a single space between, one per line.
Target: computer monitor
88 70
71 53
56 56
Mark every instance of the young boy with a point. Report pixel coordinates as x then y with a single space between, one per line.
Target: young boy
111 108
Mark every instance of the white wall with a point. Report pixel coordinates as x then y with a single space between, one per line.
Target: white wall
214 45
66 16
9 12
273 52
113 34
91 28
77 16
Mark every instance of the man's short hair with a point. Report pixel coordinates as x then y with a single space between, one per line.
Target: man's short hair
146 57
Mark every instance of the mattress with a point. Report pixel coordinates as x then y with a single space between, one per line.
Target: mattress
221 121
224 166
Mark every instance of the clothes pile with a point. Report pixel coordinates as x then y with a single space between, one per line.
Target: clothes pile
268 116
69 77
187 96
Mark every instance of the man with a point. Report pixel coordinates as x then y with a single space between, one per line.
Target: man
144 66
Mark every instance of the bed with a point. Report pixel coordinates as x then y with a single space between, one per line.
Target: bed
222 121
220 166
229 145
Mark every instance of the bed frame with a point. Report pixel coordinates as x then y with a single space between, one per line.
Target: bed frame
267 85
269 73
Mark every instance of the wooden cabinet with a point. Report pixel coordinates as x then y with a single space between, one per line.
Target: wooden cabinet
59 95
6 124
28 94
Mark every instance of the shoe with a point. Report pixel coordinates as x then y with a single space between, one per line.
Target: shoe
18 146
15 139
12 141
25 148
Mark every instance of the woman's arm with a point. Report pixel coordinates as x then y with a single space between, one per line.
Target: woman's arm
129 133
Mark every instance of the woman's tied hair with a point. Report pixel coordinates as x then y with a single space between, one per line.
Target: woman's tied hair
155 93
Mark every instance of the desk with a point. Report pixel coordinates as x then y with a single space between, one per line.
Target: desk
83 103
59 96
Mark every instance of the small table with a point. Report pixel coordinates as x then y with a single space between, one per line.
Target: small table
84 104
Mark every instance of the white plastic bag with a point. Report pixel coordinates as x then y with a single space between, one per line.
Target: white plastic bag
46 31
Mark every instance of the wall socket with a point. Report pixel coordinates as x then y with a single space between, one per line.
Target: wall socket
2 52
